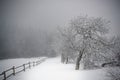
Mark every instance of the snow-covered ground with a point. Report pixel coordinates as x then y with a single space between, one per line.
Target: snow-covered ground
52 69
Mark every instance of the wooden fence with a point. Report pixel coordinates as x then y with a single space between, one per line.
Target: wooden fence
14 70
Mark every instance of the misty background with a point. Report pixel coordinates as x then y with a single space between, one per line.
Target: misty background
28 27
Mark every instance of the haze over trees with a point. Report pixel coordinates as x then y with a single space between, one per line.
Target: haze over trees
28 28
85 41
19 42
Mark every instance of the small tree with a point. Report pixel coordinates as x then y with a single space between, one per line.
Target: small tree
116 48
114 53
85 36
113 73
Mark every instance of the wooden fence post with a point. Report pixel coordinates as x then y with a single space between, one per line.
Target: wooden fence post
13 70
36 63
4 73
39 62
33 64
23 67
29 65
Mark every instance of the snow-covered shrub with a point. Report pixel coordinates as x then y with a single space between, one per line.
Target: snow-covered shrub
114 73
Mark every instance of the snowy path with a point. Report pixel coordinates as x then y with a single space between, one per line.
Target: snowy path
52 69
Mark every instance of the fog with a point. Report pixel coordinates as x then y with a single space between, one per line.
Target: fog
27 27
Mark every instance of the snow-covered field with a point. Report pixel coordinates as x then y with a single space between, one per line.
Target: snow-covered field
52 69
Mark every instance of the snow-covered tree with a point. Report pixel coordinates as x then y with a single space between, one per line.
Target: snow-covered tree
85 36
113 73
114 49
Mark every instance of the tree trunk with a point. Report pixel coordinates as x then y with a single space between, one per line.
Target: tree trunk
112 63
66 60
62 58
78 60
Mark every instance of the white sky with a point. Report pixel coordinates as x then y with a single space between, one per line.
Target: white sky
51 13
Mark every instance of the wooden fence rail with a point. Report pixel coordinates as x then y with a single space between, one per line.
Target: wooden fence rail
14 70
